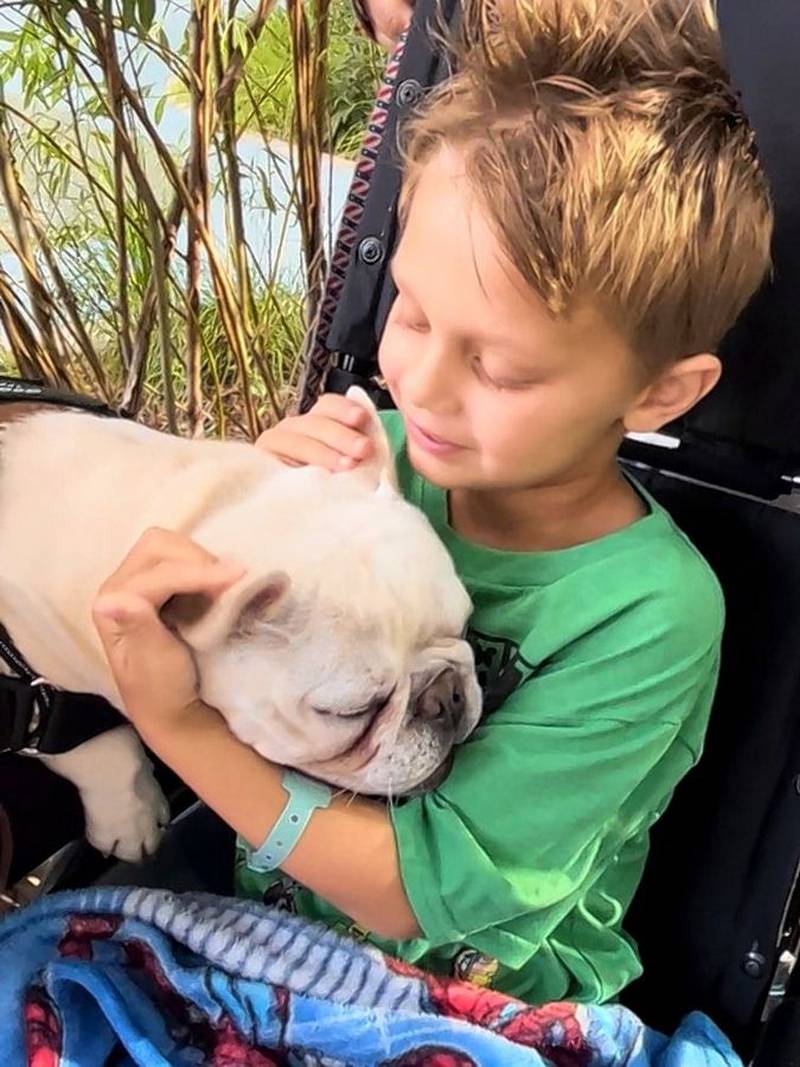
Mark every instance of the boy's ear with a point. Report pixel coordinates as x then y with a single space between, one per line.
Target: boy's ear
676 390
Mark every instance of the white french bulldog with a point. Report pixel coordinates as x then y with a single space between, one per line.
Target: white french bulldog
338 653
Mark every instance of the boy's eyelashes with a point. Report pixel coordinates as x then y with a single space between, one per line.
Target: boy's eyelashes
491 380
505 384
417 325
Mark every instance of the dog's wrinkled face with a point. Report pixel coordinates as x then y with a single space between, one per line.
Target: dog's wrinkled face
340 653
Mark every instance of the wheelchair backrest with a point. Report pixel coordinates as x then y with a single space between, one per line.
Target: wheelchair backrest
715 907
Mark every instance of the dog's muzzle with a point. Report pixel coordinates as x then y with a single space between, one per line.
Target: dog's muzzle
445 692
443 704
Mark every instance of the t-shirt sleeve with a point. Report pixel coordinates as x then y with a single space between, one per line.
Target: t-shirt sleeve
580 759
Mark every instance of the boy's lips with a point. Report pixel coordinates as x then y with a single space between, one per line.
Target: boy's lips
429 442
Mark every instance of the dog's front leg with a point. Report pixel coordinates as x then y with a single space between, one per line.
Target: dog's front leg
124 806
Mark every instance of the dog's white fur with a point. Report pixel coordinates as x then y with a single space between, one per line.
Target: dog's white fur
348 597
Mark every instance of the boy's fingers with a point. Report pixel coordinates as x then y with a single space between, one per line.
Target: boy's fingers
161 581
335 435
338 407
320 441
301 451
157 544
137 644
119 615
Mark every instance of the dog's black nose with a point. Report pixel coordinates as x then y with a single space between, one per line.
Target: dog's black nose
442 703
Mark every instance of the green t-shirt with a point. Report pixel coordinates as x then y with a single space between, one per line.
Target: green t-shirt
598 666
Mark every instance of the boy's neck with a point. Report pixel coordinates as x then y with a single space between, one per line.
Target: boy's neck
546 518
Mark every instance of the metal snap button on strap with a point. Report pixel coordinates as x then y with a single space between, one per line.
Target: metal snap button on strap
754 964
33 735
371 251
408 92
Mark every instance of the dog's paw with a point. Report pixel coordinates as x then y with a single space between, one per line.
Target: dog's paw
127 823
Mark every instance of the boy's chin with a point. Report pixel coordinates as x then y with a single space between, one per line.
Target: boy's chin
444 473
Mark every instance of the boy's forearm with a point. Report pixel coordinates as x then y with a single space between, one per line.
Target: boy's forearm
347 855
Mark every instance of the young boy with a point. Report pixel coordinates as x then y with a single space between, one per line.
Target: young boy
583 220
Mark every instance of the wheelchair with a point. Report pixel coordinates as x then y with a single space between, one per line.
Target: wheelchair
717 916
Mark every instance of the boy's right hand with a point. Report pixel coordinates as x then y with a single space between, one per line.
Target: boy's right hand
333 435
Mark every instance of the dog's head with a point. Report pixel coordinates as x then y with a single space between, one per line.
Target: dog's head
340 652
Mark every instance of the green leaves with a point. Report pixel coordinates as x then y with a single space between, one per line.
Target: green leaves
89 189
137 15
147 14
354 68
129 14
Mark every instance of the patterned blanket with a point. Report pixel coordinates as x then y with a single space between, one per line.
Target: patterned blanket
139 976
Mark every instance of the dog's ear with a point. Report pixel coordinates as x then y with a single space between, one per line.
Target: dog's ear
380 470
249 607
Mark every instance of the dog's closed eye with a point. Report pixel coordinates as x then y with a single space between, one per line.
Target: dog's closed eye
375 707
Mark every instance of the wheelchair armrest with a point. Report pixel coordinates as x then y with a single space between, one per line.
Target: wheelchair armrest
780 1040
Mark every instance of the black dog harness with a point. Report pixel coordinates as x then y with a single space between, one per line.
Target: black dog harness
35 716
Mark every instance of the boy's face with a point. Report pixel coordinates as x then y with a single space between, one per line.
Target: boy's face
495 392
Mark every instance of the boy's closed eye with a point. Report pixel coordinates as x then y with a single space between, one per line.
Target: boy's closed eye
488 372
493 371
412 322
496 380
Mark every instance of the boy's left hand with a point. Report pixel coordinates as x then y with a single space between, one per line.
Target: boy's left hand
153 669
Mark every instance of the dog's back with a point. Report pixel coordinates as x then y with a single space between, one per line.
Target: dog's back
76 491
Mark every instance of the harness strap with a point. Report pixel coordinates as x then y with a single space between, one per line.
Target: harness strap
38 717
33 391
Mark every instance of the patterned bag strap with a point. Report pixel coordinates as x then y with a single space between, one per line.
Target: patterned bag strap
318 357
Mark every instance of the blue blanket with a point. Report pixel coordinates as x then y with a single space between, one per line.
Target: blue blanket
140 976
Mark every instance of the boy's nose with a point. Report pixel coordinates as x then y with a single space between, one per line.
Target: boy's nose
429 384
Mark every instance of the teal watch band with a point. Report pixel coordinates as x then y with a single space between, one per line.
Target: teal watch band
305 797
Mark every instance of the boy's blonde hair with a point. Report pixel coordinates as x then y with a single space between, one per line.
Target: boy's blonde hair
614 161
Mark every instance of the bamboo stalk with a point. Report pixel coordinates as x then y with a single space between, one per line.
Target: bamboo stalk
132 393
235 305
28 354
225 294
69 311
309 82
52 356
117 108
58 148
235 68
227 113
162 317
204 19
86 167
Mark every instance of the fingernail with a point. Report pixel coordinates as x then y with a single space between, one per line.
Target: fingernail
345 463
